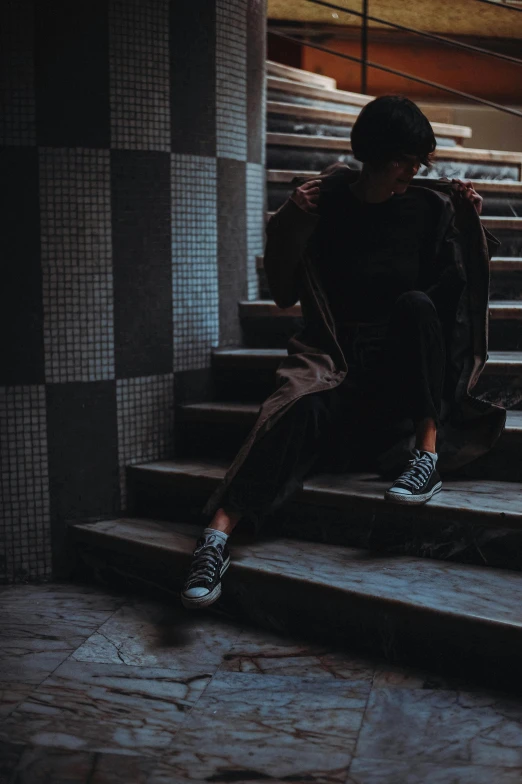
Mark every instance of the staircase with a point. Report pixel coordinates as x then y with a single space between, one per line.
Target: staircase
437 584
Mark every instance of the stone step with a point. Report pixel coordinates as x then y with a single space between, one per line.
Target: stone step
244 359
496 504
508 231
498 264
501 198
445 615
505 283
350 510
295 91
264 325
493 223
265 308
451 153
300 75
317 116
249 374
508 187
217 429
312 152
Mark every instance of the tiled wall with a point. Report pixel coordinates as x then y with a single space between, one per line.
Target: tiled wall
133 165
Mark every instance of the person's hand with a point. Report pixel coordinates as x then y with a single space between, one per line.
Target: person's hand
466 188
307 195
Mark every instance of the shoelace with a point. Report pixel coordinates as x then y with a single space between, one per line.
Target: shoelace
420 469
207 558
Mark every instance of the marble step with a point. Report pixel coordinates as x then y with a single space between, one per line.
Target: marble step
493 223
509 187
244 359
507 229
298 92
217 429
312 152
265 308
300 75
501 198
264 325
505 280
301 116
468 521
451 616
249 374
498 265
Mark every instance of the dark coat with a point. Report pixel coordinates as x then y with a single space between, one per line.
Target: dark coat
315 361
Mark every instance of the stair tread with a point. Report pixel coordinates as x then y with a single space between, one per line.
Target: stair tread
281 84
350 116
509 186
300 75
443 153
267 307
510 357
499 499
513 421
488 221
475 593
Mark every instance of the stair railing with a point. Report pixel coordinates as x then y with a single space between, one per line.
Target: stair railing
365 63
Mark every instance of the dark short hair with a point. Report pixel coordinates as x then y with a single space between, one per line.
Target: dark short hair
391 126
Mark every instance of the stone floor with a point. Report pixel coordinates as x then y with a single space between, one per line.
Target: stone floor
99 687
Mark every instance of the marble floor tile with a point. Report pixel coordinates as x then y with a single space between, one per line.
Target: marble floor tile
65 602
152 634
263 652
28 654
12 694
479 728
247 727
371 771
107 708
394 676
44 765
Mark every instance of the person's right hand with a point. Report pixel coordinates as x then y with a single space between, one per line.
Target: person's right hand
307 195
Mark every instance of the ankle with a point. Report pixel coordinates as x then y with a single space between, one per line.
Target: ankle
224 521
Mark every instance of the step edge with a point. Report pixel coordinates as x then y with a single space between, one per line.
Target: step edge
349 591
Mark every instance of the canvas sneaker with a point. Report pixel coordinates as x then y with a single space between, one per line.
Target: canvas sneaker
210 561
417 483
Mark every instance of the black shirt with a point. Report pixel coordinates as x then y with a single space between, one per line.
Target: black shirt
370 254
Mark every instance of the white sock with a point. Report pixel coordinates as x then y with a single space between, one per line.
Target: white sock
433 455
219 537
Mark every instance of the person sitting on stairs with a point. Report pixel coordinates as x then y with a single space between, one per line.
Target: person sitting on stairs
390 290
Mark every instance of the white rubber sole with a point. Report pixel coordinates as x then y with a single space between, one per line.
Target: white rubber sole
412 500
198 602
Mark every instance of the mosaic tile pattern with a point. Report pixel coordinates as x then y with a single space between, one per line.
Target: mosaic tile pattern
17 118
194 259
139 74
255 177
123 270
76 264
145 409
25 521
231 79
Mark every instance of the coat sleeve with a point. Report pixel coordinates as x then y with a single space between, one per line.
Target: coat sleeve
448 282
288 232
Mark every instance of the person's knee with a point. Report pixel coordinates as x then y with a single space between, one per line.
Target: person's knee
416 305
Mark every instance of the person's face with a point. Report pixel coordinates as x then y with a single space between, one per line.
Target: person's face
401 171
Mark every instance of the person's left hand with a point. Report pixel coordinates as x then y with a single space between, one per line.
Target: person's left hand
467 190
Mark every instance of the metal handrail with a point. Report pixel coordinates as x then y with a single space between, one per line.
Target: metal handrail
412 78
431 36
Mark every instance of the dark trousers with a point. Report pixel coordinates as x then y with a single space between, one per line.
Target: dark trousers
396 372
